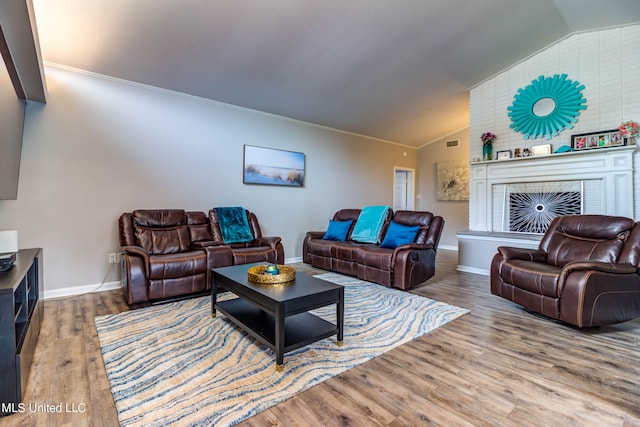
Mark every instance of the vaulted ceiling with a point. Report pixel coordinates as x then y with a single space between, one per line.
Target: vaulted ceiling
396 70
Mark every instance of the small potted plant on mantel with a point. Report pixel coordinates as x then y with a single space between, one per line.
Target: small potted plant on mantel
629 131
487 145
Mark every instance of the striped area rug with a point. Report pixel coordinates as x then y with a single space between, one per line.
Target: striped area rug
175 365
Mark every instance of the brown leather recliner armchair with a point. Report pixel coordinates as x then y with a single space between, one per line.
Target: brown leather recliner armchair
584 272
158 261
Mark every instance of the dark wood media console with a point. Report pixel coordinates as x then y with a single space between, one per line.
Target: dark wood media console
21 313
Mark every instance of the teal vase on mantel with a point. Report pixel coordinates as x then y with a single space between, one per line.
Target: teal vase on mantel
487 151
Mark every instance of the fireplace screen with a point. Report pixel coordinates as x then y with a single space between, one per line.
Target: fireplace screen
530 208
533 212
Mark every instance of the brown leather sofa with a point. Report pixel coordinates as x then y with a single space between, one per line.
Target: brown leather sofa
585 271
170 253
403 267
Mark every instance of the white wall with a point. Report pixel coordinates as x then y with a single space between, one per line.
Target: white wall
606 62
101 147
455 213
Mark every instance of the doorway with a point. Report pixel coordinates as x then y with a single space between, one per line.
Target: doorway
403 189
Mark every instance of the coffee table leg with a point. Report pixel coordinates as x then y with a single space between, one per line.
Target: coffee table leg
279 324
340 317
214 296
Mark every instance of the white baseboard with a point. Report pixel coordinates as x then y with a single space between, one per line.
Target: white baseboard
109 286
79 290
448 247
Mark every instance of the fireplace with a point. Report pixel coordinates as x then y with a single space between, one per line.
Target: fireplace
512 201
530 207
523 195
532 212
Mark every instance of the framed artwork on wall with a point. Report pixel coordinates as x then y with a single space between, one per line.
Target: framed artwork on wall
452 180
270 166
601 139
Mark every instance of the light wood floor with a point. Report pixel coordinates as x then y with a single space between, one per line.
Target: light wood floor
497 366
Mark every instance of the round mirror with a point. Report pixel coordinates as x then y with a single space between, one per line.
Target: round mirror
547 106
544 106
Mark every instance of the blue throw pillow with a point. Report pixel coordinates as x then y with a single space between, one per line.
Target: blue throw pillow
337 230
399 234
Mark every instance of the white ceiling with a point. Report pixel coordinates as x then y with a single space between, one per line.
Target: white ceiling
397 70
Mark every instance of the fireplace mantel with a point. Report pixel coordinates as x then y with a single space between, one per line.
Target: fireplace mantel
607 172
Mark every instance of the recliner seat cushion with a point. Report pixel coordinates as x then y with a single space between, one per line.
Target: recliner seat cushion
173 266
375 256
320 247
535 277
253 254
346 251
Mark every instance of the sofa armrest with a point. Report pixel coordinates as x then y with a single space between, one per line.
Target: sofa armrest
272 242
134 273
524 254
412 264
605 267
598 293
315 234
135 250
139 252
409 247
311 235
414 246
593 266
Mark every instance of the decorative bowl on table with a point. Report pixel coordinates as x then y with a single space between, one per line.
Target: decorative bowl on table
271 274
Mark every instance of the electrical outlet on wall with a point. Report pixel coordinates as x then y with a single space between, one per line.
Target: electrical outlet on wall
113 258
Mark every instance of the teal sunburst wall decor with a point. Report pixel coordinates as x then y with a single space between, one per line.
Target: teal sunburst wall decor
547 106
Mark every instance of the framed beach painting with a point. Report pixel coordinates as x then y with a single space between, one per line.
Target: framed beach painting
270 166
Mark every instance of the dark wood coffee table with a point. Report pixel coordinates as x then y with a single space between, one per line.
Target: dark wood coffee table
277 315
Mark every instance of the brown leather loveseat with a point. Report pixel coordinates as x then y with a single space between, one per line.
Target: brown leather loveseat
585 271
169 253
403 267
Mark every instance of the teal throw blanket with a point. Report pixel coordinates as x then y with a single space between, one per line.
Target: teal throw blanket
234 225
369 224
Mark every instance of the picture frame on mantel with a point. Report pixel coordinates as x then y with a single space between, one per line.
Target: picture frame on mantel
540 150
504 154
601 139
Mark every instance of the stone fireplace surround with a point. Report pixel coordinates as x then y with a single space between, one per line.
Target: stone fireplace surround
604 178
